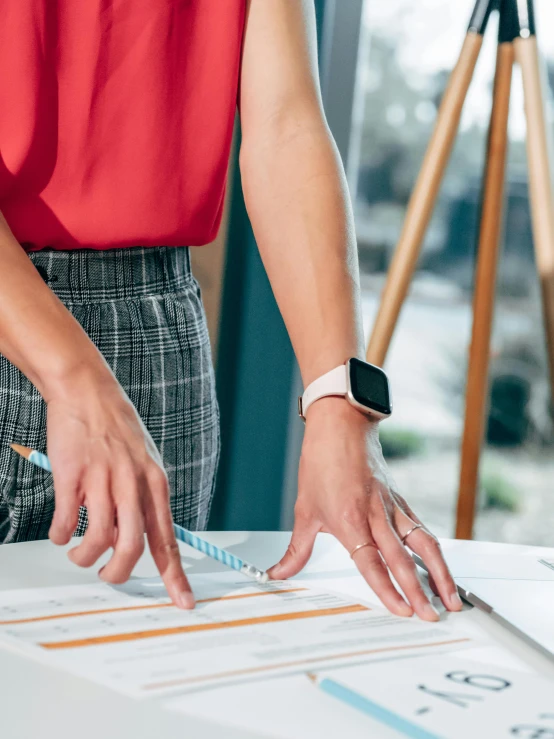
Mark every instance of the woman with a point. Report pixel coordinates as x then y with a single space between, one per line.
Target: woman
115 134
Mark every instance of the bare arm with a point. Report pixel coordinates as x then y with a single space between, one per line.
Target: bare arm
292 176
37 333
101 454
297 199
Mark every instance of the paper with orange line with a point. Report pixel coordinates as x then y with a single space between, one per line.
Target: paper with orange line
132 639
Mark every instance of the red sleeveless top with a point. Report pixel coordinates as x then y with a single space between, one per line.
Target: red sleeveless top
116 119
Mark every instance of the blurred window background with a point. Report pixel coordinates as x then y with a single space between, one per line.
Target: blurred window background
407 52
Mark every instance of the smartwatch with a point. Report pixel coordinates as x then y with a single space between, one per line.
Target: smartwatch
363 385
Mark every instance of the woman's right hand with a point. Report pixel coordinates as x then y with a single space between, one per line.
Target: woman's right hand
102 455
104 458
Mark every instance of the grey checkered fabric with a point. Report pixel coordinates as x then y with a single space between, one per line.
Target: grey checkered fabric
143 310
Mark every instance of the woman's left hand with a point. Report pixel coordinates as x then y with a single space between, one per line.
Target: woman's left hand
344 489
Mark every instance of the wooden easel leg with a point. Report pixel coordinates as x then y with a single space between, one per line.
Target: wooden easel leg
484 294
423 199
540 184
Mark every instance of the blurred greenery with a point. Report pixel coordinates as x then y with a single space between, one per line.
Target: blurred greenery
400 443
498 492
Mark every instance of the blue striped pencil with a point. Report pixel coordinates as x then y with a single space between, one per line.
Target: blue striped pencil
365 705
182 534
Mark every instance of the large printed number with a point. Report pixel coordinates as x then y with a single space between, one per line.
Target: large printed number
486 682
529 731
462 700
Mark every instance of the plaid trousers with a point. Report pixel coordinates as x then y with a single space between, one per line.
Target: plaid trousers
143 310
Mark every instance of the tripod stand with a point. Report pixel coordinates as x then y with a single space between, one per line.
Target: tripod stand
516 42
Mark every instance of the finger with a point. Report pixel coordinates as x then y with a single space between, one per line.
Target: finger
129 545
433 585
405 508
402 566
414 519
425 542
356 531
428 548
100 533
299 550
408 511
162 542
373 570
67 480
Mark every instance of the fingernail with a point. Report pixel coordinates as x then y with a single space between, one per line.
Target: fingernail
185 600
455 601
405 609
431 612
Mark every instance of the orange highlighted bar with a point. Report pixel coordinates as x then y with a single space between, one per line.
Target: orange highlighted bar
53 617
174 630
295 663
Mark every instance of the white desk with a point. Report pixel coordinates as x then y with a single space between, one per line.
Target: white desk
39 701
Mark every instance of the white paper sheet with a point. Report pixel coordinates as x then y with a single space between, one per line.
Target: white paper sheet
526 565
519 588
454 697
132 639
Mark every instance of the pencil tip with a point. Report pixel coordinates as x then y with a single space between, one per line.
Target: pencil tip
23 450
311 676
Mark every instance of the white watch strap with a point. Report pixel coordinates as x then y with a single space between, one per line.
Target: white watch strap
333 382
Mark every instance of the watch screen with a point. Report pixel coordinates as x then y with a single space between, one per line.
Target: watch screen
370 386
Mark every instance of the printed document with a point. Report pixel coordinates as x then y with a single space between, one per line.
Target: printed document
134 640
453 697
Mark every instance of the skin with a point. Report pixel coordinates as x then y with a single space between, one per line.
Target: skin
103 457
297 199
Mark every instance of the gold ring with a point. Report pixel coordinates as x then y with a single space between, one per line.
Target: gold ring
417 526
360 546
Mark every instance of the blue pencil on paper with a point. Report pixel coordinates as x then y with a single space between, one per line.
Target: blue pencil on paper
367 706
182 534
221 555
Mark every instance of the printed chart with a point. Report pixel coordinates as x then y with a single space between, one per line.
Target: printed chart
133 639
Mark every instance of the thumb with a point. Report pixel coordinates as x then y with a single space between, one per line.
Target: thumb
298 553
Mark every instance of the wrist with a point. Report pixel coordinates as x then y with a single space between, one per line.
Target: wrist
325 362
363 386
87 376
336 408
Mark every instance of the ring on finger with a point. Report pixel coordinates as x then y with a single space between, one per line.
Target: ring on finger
360 546
410 531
